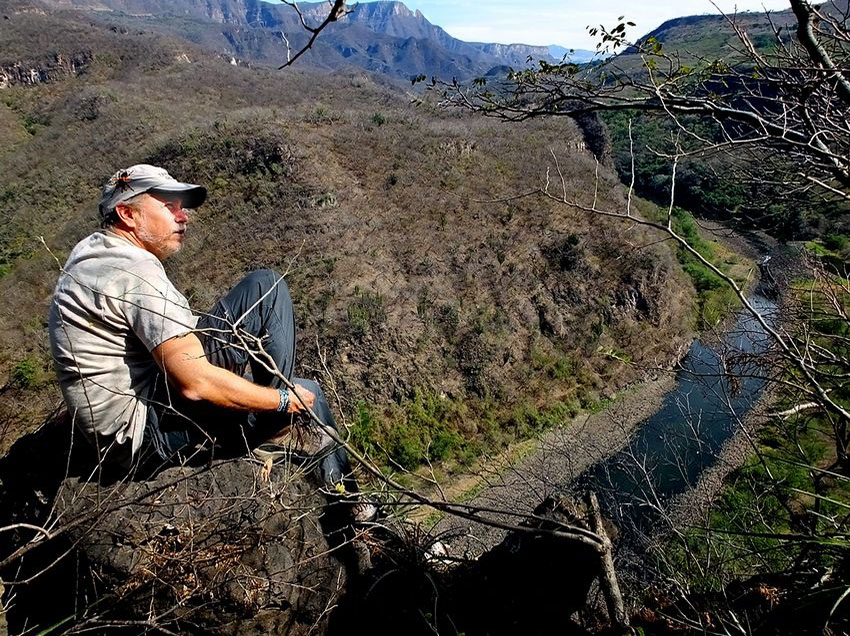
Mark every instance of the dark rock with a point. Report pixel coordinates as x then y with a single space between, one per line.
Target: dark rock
531 583
220 546
216 549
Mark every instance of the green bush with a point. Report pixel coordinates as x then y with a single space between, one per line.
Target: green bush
556 366
714 297
527 420
25 373
365 312
423 428
363 429
835 241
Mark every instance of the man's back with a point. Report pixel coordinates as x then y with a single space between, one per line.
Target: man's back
112 305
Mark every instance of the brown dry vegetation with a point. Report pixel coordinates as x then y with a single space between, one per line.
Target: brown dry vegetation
408 273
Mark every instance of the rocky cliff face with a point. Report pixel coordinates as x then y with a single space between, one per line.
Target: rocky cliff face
59 67
516 55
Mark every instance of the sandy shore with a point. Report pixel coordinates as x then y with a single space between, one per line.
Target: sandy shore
559 456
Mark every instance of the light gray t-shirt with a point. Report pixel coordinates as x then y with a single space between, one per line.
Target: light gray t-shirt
112 305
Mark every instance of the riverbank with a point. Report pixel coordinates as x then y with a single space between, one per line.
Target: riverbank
517 481
693 507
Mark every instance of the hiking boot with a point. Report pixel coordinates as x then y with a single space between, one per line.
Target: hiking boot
298 443
365 511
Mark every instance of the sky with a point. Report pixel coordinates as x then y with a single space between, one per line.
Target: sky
564 22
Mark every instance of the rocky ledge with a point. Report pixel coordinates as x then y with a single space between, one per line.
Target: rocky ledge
227 546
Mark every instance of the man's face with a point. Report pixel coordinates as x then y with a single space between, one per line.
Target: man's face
160 223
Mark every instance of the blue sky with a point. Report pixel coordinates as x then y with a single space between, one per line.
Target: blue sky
563 22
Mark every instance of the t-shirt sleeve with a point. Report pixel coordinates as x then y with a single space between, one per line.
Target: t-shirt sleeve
154 309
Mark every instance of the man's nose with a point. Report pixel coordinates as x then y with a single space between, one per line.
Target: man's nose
181 214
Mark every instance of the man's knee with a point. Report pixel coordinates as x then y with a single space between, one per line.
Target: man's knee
266 279
311 386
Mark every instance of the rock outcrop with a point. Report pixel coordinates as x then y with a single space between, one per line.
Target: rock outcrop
226 547
220 548
531 583
57 68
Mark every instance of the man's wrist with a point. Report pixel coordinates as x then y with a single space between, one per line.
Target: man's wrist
283 401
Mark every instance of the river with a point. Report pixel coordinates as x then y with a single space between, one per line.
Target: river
715 389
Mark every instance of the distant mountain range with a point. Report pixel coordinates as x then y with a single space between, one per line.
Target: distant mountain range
385 37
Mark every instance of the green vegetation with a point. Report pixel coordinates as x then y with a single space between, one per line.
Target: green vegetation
322 115
772 496
426 426
366 312
430 427
715 299
710 187
26 373
833 248
557 367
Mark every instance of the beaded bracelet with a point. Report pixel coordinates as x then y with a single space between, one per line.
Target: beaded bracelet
284 399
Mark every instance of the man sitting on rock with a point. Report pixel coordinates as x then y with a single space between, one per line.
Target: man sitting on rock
143 377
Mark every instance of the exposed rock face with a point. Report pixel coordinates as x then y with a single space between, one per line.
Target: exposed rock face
60 67
215 549
221 547
516 55
382 36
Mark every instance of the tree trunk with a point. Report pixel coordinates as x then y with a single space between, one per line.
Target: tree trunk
4 630
610 586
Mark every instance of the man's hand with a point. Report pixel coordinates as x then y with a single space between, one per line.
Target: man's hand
300 399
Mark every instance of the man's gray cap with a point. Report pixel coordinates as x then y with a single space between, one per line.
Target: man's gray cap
125 184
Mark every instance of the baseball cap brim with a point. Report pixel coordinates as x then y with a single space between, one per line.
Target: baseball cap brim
190 194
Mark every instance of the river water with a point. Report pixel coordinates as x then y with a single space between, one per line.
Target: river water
716 387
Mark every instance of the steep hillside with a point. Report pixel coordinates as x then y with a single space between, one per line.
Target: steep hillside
702 38
407 274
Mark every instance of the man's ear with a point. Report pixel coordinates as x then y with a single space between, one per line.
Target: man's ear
126 214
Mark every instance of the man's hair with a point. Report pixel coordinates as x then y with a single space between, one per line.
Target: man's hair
111 218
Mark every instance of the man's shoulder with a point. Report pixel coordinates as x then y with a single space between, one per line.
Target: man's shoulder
105 256
106 245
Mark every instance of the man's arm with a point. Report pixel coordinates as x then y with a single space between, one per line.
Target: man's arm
186 367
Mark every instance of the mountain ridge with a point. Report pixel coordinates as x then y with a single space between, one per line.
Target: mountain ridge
384 36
